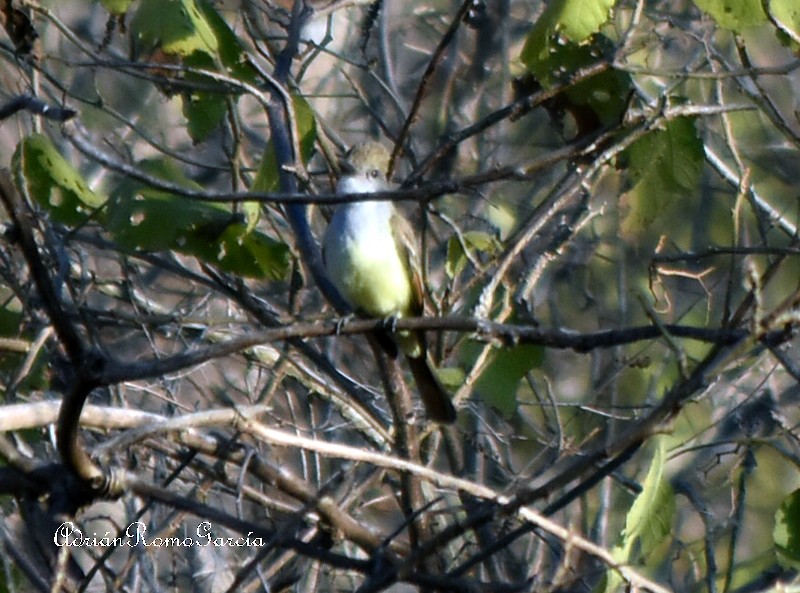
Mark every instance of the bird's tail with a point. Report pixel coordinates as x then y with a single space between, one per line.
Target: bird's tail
437 401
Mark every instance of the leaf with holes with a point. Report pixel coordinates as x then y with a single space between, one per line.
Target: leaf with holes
53 182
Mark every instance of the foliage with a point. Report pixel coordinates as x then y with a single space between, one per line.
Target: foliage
53 182
665 168
649 520
787 529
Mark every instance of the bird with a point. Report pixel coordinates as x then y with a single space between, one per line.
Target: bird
369 256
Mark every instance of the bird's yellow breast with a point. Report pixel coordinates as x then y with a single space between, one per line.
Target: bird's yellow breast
363 261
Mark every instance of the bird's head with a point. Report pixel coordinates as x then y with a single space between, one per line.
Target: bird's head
367 159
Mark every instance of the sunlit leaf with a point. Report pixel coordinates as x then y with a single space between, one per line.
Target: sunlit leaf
147 219
735 15
786 532
574 20
563 21
116 6
231 53
205 109
500 381
665 167
566 38
502 217
267 176
452 377
786 16
175 26
650 519
252 214
475 241
53 182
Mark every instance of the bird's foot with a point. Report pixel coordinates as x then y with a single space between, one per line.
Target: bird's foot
342 321
390 324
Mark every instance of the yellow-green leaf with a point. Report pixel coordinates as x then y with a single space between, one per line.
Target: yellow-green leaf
205 109
474 240
650 519
786 533
665 166
648 522
571 20
499 382
147 219
116 7
267 176
53 182
786 16
176 26
568 37
735 15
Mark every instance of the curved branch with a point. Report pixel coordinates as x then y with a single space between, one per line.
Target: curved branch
426 79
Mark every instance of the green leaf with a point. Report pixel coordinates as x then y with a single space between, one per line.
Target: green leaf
192 30
306 126
665 167
204 113
563 21
253 254
147 219
735 15
500 380
205 110
502 217
650 519
267 179
176 26
786 533
603 97
574 20
252 214
267 176
786 16
231 52
452 377
474 240
11 318
566 38
53 182
116 7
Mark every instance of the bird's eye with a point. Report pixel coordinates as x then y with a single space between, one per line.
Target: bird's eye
374 173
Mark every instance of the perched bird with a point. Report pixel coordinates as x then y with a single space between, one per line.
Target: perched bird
370 258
